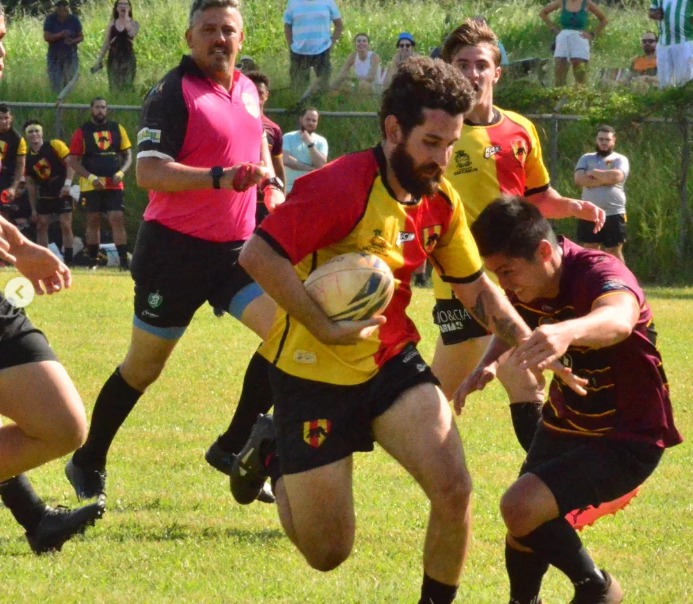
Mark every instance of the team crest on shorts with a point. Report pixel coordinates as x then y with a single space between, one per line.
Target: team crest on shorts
315 431
155 299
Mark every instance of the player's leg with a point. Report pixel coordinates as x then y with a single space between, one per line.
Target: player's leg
116 218
65 220
560 74
579 71
614 235
564 473
42 223
93 230
452 363
435 459
48 414
316 509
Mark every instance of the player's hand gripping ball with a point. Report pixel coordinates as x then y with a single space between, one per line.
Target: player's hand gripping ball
352 286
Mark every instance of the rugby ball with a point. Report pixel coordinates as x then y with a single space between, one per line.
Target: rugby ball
352 286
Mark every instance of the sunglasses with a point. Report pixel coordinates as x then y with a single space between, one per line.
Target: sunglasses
648 41
404 45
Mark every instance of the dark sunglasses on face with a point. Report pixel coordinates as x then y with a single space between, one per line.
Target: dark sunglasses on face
648 41
404 45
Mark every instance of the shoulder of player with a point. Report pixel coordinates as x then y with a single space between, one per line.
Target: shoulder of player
518 119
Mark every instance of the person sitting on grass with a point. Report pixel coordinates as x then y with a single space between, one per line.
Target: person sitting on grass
361 70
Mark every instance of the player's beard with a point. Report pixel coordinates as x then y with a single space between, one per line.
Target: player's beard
411 176
602 153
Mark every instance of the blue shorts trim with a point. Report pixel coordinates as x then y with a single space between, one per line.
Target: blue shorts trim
243 298
165 333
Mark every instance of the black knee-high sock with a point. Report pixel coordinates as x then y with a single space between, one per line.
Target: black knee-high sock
526 417
93 251
435 592
20 498
122 253
559 544
256 398
67 255
525 573
114 403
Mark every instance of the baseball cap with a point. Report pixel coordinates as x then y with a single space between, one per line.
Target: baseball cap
405 35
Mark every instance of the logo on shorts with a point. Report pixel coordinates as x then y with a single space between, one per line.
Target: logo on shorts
149 135
155 299
315 432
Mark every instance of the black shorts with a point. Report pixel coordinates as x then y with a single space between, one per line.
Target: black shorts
175 274
299 68
107 200
318 423
455 323
613 232
53 205
583 471
20 341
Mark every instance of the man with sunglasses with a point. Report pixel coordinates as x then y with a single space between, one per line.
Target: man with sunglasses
406 48
644 67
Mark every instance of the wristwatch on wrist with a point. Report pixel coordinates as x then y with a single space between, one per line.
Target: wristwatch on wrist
272 181
311 145
216 173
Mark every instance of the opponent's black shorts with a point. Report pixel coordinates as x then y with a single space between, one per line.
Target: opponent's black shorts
53 205
107 200
455 323
613 232
20 341
175 274
583 471
318 423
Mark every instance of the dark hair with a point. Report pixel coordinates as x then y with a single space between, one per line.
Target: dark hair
307 109
470 33
513 227
257 77
202 5
424 83
362 34
654 33
606 128
114 12
31 123
98 98
5 108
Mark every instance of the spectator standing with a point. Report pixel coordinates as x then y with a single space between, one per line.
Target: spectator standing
304 149
572 36
63 32
361 70
602 176
675 47
201 172
12 155
118 43
48 182
311 28
100 153
37 394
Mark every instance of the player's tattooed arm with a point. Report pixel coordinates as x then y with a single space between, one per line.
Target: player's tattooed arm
493 311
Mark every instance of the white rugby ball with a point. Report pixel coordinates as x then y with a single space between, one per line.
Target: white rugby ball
352 286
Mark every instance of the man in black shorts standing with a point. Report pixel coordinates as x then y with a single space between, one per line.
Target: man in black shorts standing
100 153
48 182
200 145
36 393
588 311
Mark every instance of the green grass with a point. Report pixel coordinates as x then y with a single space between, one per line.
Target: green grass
172 532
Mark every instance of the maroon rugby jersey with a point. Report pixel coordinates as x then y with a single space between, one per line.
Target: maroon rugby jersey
627 396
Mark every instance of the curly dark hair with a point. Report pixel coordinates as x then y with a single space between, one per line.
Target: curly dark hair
424 83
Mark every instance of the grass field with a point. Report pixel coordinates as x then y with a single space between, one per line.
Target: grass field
172 532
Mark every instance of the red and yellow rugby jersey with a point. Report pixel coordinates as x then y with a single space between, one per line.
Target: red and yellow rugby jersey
347 207
489 161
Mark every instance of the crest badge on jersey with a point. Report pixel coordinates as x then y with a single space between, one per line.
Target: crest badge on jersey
104 139
3 149
316 431
520 151
42 168
431 234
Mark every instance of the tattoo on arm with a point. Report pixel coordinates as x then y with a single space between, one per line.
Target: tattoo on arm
504 327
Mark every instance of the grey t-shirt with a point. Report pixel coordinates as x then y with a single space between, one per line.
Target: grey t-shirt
611 199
